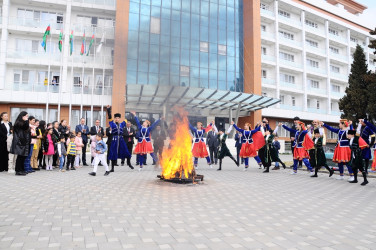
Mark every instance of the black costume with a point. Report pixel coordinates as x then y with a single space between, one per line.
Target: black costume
356 162
4 154
318 158
269 154
223 151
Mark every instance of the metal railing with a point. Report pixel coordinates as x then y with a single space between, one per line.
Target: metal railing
315 110
290 21
290 85
98 2
291 64
290 107
35 87
338 38
267 12
268 81
267 58
316 70
315 30
343 77
315 50
35 23
339 57
290 42
267 35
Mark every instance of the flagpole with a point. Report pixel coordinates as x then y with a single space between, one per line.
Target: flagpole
83 74
61 72
92 89
104 63
48 79
72 77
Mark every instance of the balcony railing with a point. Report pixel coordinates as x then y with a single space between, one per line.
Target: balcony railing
87 90
337 94
315 50
313 91
315 110
336 112
314 30
290 85
267 12
292 43
290 107
99 31
268 81
35 23
267 58
98 2
289 63
339 57
343 77
338 38
290 21
267 35
35 87
316 70
28 56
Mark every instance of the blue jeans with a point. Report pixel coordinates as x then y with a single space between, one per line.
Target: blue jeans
27 165
61 159
257 158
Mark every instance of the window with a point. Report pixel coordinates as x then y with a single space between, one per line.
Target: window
293 103
353 39
286 56
318 104
334 50
59 19
263 27
39 114
284 13
263 73
312 43
17 77
94 21
286 35
282 98
264 6
287 78
263 50
333 32
155 25
222 50
264 94
311 23
184 70
331 106
334 69
336 88
312 63
308 103
314 84
204 47
284 132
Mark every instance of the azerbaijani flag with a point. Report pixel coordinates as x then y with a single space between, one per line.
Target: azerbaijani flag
91 44
83 47
61 41
46 33
71 42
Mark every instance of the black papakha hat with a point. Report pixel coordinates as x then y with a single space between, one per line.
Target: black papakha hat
117 115
351 132
296 118
316 131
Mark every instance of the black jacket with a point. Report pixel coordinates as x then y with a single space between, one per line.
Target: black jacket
158 138
21 139
46 144
109 136
93 130
212 140
127 136
4 132
63 130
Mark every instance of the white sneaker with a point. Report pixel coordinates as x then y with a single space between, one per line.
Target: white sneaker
211 166
11 172
312 173
351 178
196 167
140 169
293 173
340 177
245 169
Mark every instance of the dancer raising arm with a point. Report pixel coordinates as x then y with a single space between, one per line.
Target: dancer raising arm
144 145
268 153
253 140
199 147
301 145
223 150
342 152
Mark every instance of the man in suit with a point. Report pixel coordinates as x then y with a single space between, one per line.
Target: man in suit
238 145
159 137
213 143
96 128
84 129
129 134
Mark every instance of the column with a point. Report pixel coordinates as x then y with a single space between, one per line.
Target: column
328 84
348 51
302 18
66 85
4 43
276 29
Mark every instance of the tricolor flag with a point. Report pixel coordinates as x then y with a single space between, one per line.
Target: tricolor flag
91 44
83 45
99 48
71 43
46 33
61 41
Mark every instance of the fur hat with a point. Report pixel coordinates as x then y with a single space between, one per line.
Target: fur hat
316 131
117 115
351 132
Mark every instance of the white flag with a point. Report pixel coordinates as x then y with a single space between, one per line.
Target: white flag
99 48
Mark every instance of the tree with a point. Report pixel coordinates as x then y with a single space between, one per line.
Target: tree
355 102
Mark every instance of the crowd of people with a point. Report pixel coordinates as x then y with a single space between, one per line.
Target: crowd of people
30 145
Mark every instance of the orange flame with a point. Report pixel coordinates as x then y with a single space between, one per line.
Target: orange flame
178 159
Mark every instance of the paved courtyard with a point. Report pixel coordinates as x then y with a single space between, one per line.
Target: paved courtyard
231 209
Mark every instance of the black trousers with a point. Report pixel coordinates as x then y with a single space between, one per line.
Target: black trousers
20 162
84 153
70 161
213 154
130 150
54 159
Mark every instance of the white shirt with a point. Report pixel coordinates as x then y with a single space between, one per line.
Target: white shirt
316 139
7 126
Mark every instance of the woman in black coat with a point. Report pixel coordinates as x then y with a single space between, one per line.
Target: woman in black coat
21 141
5 131
42 129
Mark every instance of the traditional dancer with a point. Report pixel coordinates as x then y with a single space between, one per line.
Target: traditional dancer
373 128
365 133
199 147
118 147
252 141
317 155
261 153
342 152
268 153
144 145
223 150
357 144
302 143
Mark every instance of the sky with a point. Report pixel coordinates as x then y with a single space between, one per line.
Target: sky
370 13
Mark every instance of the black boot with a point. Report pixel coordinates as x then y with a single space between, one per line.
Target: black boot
355 170
112 166
283 165
220 165
236 162
316 170
106 173
365 182
129 163
93 174
331 171
266 170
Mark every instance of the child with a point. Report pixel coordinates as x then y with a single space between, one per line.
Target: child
48 148
93 142
61 151
71 152
356 145
277 147
79 145
12 157
223 150
100 149
318 157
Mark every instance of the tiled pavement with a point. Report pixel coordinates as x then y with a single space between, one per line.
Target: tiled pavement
230 209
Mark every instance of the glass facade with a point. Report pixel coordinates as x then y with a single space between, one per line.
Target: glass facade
186 43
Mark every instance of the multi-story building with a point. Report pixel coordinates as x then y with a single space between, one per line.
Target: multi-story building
217 58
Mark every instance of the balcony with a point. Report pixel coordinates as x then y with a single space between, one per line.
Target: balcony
290 85
315 50
99 31
33 57
339 76
336 113
34 23
317 91
315 31
290 21
292 43
267 58
267 13
339 57
315 110
353 44
290 64
35 87
88 90
316 70
267 35
290 107
337 95
268 81
111 3
338 38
